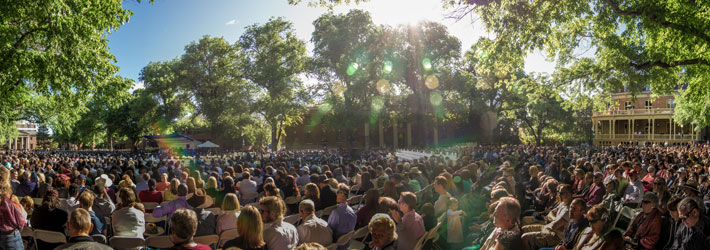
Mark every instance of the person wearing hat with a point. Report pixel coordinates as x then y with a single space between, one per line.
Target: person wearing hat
206 220
645 230
634 192
690 190
327 195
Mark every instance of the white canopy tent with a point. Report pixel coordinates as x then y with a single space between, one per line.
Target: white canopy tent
208 144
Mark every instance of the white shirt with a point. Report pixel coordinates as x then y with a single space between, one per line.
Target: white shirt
634 192
128 222
279 235
246 186
314 229
440 204
69 205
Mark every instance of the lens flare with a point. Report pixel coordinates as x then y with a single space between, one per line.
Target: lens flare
388 67
426 63
338 88
431 82
377 103
383 86
352 68
435 98
325 107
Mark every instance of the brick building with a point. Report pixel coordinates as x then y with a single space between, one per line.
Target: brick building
642 120
27 138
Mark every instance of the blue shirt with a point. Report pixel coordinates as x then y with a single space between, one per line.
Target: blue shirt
342 220
98 223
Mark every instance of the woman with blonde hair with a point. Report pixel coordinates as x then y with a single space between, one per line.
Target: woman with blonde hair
382 230
11 212
191 185
230 212
250 229
171 193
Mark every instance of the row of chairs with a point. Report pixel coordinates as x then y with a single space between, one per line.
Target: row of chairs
117 242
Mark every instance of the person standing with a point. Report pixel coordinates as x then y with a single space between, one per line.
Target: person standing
11 221
410 226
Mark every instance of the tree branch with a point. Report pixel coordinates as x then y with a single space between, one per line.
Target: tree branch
650 14
662 64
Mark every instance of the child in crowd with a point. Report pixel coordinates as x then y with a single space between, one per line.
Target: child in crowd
428 216
454 231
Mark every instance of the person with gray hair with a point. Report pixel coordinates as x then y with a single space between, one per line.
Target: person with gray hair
645 230
312 228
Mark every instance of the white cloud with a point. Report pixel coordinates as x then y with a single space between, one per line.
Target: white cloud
231 22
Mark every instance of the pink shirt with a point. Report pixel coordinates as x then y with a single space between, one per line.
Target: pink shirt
11 218
409 230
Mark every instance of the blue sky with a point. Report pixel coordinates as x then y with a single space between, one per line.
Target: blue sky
160 31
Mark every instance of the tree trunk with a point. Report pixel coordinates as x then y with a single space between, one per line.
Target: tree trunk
274 139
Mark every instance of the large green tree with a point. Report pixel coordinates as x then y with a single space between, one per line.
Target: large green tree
211 71
53 58
274 60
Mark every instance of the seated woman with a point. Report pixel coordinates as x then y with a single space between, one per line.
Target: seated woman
151 194
382 231
171 193
49 217
593 236
230 212
645 229
250 229
128 220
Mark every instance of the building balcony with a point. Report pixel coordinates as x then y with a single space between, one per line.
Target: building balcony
631 112
647 137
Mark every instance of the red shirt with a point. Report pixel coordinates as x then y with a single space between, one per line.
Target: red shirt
10 216
150 196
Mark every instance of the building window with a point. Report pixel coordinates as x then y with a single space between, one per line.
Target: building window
627 105
670 104
649 104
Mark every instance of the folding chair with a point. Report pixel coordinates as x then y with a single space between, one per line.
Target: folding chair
100 238
26 232
342 240
357 242
210 240
159 242
248 197
118 242
150 205
48 236
355 200
624 218
293 219
326 211
214 210
227 235
429 235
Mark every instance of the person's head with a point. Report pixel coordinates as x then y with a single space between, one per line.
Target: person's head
565 193
183 225
249 225
310 246
191 185
5 186
86 200
312 191
272 208
407 202
174 183
440 184
145 177
128 198
79 223
598 178
689 212
428 209
382 230
306 208
164 177
343 192
270 189
577 209
73 190
672 206
28 204
611 186
182 190
507 213
649 202
51 199
508 240
452 203
212 182
230 203
598 217
151 184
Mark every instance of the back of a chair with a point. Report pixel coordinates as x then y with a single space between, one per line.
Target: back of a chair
150 219
355 200
326 211
118 242
360 233
159 242
292 200
150 205
27 232
100 238
342 240
292 219
48 236
227 235
210 240
214 210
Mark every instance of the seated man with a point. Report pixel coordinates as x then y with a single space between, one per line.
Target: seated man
183 225
577 223
645 230
277 234
506 218
688 236
79 226
180 202
549 235
312 229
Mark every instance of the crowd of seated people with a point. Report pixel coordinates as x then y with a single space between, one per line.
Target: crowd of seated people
489 197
